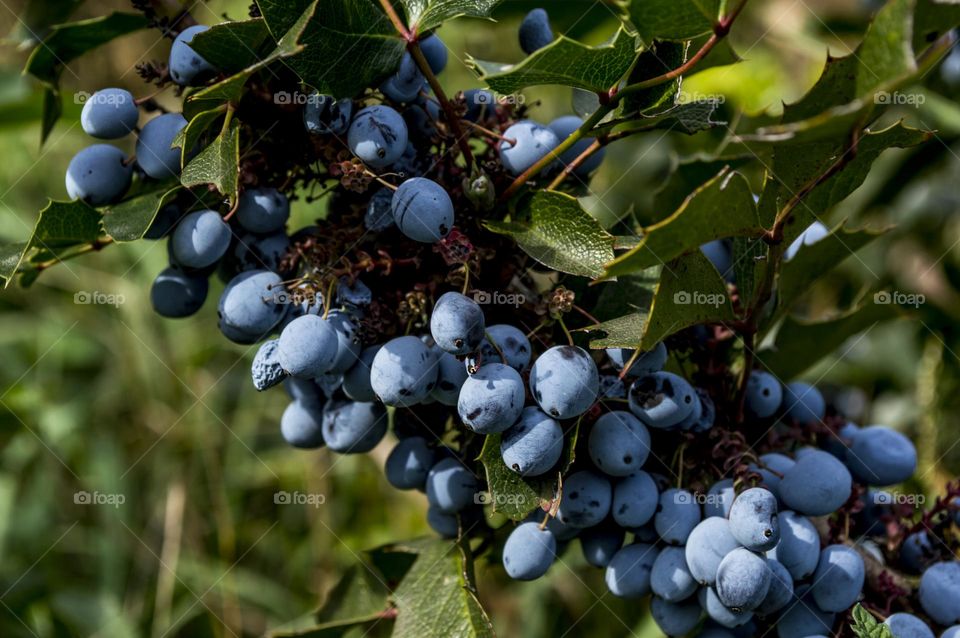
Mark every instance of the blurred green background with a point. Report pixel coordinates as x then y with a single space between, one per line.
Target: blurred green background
118 403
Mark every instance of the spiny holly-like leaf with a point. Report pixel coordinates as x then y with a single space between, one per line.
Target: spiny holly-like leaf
723 207
423 15
688 117
672 19
749 262
189 135
559 234
130 219
233 46
434 599
800 344
231 88
866 626
511 494
814 261
657 60
565 62
932 19
688 175
350 45
690 292
10 257
218 164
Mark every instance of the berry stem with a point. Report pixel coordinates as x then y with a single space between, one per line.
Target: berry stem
398 23
486 131
577 162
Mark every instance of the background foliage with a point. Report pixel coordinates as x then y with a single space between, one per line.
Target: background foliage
115 400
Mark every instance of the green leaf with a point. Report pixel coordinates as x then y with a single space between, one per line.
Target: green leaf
655 61
511 494
233 46
800 344
814 261
351 45
217 164
52 110
559 234
565 62
231 88
130 219
10 257
423 15
672 19
688 175
687 117
932 19
749 262
690 292
723 207
435 600
866 626
189 136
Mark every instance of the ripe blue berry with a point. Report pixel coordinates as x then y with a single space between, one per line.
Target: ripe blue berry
675 618
446 525
422 210
353 428
799 546
404 371
457 324
647 363
753 519
200 239
529 552
720 254
635 500
662 399
512 343
917 551
600 542
670 577
480 102
379 215
764 394
97 175
838 580
881 456
940 592
586 499
563 127
533 445
780 592
491 400
435 51
720 613
743 580
154 154
109 114
904 625
628 573
187 68
719 499
326 115
816 485
619 444
813 233
301 424
535 31
708 544
175 293
564 381
678 513
404 85
409 463
802 618
308 347
772 467
450 377
263 210
450 486
804 403
378 136
248 310
524 144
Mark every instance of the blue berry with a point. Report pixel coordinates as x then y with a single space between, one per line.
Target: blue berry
379 215
564 381
356 380
263 210
952 632
305 391
563 127
619 444
708 412
753 519
378 136
422 210
512 343
662 399
480 103
353 428
491 400
404 371
678 513
720 254
187 68
446 525
529 552
904 625
248 310
813 233
404 85
586 499
164 223
524 144
719 499
600 542
917 551
838 579
611 387
457 324
940 592
409 463
628 573
533 445
804 403
266 369
326 115
764 394
670 578
301 424
799 546
647 363
535 31
175 293
802 618
720 613
200 239
743 580
450 378
675 618
450 486
109 114
267 252
780 592
97 175
635 500
344 324
816 485
881 456
708 544
308 347
435 51
154 153
772 468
